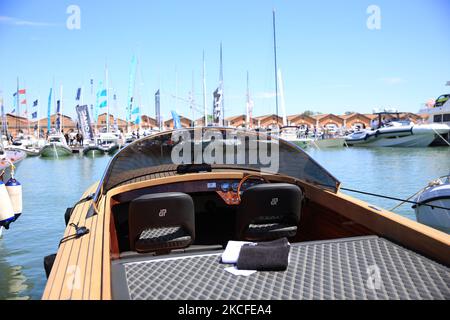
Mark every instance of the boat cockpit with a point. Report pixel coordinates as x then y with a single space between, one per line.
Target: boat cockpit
195 189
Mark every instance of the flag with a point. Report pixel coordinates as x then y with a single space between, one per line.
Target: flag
34 115
78 94
217 106
102 105
135 113
24 101
14 94
35 103
102 93
176 120
13 110
4 121
22 91
58 105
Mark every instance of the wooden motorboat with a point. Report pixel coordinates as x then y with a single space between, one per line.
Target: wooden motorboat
155 227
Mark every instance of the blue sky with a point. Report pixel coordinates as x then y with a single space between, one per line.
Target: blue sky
330 61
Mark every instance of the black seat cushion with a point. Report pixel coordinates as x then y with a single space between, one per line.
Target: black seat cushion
269 231
161 221
269 211
157 239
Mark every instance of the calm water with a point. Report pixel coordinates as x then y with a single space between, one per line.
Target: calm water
50 186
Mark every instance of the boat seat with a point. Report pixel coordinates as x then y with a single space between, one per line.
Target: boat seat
161 222
269 211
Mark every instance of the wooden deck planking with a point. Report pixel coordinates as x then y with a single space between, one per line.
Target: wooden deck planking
60 266
70 253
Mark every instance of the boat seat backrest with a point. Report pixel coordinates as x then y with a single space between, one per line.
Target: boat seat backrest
269 211
161 222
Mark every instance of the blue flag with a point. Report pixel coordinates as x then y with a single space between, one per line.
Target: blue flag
176 120
34 115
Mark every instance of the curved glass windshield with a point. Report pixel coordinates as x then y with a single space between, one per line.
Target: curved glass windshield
211 148
441 100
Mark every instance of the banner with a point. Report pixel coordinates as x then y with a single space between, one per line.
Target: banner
85 122
77 98
4 120
217 106
158 109
49 110
131 88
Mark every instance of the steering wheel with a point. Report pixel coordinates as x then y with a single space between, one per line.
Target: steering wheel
245 178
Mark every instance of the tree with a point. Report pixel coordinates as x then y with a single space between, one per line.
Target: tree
309 113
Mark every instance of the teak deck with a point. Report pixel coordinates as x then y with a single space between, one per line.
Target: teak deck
81 264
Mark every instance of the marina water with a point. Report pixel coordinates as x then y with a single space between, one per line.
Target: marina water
50 186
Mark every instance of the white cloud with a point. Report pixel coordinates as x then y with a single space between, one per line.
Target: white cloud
392 80
264 95
26 23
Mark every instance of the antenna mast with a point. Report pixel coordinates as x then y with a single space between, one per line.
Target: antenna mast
276 67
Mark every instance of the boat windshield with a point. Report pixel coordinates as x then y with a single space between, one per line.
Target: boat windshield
441 100
216 148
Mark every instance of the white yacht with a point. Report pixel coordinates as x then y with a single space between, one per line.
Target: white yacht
56 147
439 113
396 133
437 193
292 134
28 144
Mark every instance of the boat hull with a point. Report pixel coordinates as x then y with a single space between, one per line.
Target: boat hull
93 151
412 136
55 151
437 218
329 143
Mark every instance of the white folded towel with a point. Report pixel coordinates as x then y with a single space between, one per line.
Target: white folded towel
231 253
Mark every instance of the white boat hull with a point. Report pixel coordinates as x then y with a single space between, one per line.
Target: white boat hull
409 136
437 218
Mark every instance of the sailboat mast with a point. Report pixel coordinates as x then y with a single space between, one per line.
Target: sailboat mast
107 98
276 67
18 108
221 88
283 105
192 99
247 120
61 107
204 92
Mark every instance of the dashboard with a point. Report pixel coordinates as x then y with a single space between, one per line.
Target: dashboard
225 188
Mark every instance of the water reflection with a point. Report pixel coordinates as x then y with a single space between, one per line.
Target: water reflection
14 285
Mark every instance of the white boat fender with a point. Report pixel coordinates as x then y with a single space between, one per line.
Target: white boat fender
6 208
14 189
